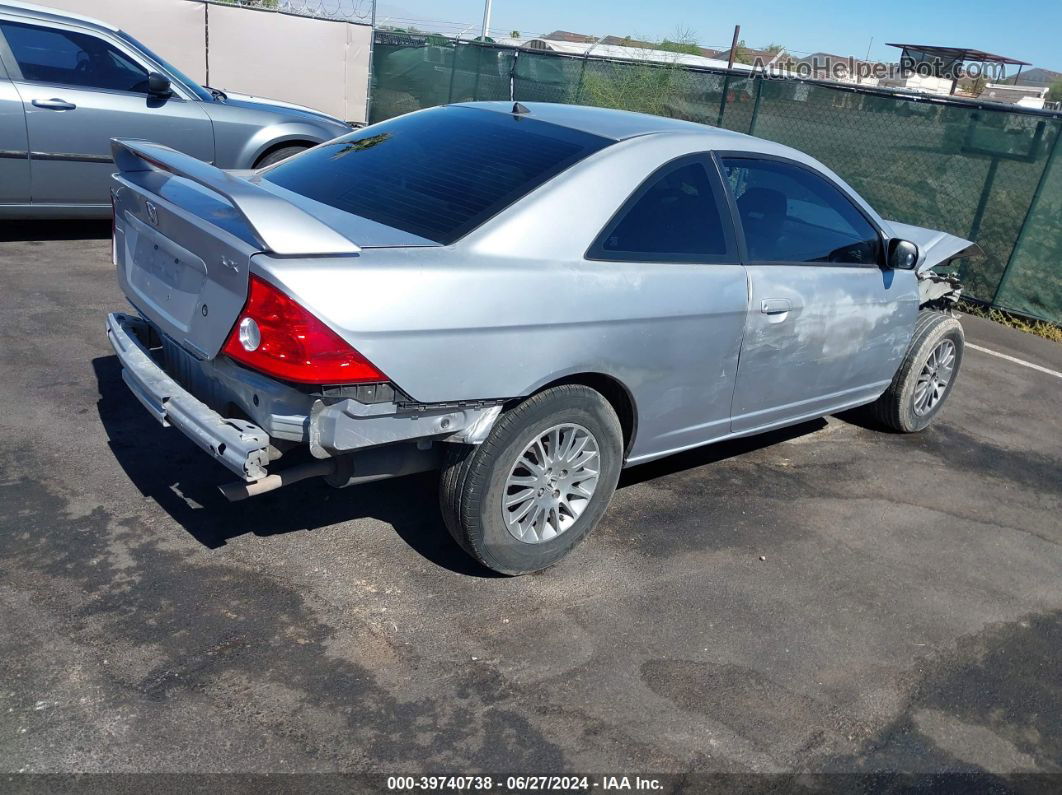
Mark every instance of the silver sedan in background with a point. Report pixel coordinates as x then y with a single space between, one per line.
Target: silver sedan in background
527 297
68 84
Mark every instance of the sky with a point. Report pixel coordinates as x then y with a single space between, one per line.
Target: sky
1024 29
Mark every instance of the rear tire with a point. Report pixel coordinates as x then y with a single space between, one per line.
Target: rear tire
283 153
926 376
491 493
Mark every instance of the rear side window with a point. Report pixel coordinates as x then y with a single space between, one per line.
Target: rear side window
439 173
56 55
674 216
791 214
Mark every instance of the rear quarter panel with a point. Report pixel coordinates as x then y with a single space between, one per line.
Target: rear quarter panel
515 306
447 328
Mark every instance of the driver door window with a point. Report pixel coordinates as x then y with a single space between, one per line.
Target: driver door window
64 57
790 214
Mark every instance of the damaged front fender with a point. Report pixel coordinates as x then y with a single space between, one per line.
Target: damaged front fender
934 247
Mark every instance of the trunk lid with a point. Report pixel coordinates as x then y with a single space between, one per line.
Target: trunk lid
184 235
187 276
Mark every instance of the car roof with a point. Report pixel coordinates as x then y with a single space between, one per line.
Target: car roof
52 15
610 123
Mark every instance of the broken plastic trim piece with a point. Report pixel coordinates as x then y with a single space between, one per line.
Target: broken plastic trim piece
938 290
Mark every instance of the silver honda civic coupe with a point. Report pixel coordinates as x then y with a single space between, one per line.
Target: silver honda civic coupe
527 298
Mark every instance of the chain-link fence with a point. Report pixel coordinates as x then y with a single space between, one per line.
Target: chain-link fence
980 171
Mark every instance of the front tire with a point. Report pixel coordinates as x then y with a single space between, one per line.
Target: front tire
538 485
926 376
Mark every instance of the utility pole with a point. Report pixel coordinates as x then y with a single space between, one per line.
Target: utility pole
733 45
486 19
726 79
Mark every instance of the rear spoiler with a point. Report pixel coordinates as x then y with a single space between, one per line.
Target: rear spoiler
281 227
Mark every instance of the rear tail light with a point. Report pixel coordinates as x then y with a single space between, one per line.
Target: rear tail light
277 336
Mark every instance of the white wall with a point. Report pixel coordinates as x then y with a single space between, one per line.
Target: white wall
320 63
315 62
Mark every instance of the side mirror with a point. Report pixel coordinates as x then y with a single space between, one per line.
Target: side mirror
158 85
903 255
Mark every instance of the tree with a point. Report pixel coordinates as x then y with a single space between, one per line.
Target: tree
1054 94
742 54
685 42
678 46
514 34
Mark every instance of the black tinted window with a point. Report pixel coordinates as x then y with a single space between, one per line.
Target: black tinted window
790 214
54 55
438 173
673 217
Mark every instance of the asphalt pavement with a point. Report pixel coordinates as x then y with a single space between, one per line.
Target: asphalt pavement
829 598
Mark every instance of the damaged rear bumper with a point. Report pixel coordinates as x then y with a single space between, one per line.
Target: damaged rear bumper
370 441
241 446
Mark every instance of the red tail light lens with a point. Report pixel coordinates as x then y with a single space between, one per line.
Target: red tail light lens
277 336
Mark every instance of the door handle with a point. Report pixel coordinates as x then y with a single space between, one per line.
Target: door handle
54 104
775 306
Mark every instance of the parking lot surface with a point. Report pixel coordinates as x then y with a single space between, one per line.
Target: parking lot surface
828 598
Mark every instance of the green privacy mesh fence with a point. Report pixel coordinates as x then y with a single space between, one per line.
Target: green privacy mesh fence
988 173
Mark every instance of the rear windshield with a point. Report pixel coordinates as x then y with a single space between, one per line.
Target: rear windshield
439 173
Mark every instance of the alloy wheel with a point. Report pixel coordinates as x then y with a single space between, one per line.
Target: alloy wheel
551 483
934 379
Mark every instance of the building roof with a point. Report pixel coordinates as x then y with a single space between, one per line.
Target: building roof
616 41
764 55
961 53
598 49
565 35
627 41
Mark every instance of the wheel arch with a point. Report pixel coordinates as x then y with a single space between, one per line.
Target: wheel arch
614 391
275 145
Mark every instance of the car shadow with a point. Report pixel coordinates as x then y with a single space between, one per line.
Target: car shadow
714 453
169 469
863 417
23 231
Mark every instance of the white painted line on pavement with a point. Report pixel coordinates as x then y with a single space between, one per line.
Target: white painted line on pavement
1014 359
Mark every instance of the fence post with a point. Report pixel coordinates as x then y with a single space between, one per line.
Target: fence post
1048 163
756 106
722 100
579 85
453 69
982 204
372 71
512 75
206 42
475 85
